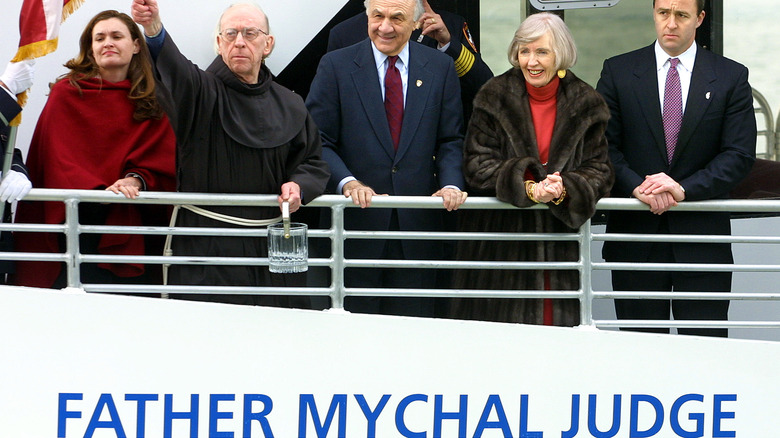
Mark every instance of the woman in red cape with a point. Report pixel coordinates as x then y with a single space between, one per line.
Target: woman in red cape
102 128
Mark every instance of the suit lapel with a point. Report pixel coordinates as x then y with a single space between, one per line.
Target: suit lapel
700 95
418 88
366 83
646 92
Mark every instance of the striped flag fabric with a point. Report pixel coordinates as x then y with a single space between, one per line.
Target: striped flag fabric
39 26
39 29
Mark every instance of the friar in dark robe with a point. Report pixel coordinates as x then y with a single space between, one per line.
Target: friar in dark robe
237 132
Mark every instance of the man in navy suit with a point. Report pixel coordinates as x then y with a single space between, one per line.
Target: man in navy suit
440 29
421 156
702 155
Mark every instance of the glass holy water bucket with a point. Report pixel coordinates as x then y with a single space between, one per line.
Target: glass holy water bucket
288 250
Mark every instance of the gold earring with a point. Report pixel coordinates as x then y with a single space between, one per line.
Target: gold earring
561 73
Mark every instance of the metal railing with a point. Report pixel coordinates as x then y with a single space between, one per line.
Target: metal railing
764 118
336 291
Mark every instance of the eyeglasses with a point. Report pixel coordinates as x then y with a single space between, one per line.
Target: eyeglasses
249 33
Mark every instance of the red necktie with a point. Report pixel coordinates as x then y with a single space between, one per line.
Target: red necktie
394 100
673 112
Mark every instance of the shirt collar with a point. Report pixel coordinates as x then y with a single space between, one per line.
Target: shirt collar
687 58
380 57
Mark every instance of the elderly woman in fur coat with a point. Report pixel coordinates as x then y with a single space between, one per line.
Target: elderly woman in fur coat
536 136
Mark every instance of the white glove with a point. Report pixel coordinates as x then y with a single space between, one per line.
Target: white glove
14 187
18 76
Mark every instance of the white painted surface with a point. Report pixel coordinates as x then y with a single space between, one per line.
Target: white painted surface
57 343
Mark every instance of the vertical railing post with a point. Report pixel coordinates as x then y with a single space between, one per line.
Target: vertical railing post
72 249
337 255
586 274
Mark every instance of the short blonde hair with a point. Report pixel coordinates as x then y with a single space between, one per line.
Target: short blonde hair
534 27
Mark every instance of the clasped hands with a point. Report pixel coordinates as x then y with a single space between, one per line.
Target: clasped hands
549 189
660 192
361 195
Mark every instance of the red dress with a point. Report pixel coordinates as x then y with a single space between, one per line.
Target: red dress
543 109
88 139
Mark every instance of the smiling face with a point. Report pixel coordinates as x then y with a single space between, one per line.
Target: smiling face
537 61
245 58
113 48
390 24
676 22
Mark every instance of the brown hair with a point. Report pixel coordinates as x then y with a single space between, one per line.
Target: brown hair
699 6
140 74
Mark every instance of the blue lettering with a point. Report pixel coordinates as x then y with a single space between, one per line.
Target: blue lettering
399 416
400 425
62 410
307 404
215 415
659 416
268 404
698 418
718 415
615 428
575 418
140 417
439 415
114 423
493 401
371 416
524 433
169 416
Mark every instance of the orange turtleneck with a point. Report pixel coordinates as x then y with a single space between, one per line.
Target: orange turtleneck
543 109
543 102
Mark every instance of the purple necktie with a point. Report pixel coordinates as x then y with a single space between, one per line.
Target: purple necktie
673 111
394 100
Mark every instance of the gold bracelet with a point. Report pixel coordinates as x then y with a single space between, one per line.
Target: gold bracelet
560 199
529 190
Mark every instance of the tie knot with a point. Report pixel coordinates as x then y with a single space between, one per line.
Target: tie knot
674 62
391 61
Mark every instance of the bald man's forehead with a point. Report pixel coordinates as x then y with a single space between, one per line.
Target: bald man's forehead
244 15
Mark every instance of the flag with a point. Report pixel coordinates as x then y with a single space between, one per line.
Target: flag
39 29
39 26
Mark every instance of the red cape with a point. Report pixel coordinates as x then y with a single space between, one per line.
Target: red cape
88 140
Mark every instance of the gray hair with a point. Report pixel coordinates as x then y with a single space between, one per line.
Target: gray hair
534 27
418 8
218 29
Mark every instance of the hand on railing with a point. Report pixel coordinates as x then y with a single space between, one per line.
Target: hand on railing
451 197
360 193
130 187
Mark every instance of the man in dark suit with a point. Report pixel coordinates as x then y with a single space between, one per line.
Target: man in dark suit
440 29
373 149
676 134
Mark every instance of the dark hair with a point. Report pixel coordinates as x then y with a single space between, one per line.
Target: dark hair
140 74
699 6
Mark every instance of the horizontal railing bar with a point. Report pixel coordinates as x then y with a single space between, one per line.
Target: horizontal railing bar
147 197
217 290
659 295
460 293
636 323
698 267
434 235
687 238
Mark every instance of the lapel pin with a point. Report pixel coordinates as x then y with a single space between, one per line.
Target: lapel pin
419 83
707 96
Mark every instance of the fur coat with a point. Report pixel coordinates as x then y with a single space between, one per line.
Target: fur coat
500 147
